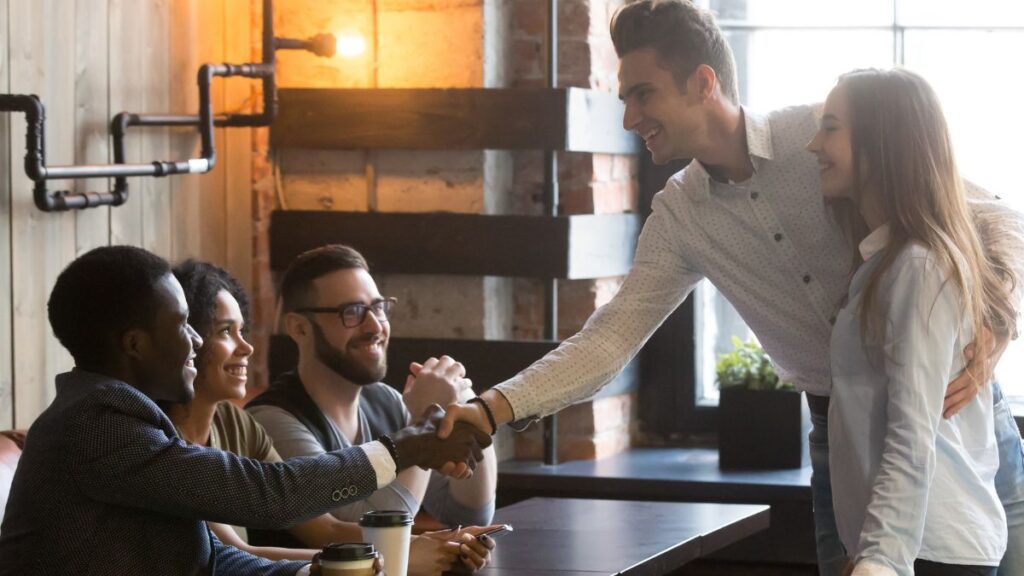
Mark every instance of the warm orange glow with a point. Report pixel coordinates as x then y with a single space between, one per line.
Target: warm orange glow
351 44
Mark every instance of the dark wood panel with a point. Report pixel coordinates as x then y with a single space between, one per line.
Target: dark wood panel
616 537
487 362
585 246
680 474
572 119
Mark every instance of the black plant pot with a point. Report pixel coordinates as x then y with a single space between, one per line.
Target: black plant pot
762 430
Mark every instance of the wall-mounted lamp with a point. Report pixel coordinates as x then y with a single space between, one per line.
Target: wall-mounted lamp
35 154
350 45
324 45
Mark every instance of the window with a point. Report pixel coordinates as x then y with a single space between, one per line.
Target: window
791 51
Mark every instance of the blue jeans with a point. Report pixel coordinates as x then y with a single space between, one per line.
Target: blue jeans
1009 485
831 555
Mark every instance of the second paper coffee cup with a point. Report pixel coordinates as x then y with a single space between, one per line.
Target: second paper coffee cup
350 559
389 531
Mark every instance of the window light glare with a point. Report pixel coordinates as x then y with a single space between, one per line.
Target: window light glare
351 45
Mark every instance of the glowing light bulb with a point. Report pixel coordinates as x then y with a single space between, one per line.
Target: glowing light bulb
351 45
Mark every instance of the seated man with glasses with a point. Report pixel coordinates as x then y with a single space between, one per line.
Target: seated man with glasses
335 398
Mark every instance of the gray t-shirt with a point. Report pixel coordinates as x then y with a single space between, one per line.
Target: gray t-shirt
381 411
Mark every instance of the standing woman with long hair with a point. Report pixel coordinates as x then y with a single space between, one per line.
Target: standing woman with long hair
913 492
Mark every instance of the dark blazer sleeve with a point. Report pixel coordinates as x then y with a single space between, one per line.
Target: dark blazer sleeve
234 562
125 451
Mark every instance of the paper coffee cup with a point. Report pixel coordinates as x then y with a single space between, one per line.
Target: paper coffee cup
349 559
389 531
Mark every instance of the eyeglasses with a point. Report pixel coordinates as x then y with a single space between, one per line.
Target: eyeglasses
353 315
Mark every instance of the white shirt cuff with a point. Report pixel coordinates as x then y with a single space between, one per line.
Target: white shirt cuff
382 462
870 568
304 571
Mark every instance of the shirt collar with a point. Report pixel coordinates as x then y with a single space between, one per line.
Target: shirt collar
759 147
874 242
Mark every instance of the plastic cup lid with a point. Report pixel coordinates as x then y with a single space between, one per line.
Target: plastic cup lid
385 519
348 551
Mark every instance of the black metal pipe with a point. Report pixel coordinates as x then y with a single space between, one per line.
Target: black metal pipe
269 59
264 70
39 172
551 208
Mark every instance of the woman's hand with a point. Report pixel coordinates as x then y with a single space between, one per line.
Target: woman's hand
432 553
475 554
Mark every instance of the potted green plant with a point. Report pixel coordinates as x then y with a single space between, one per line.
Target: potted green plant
762 421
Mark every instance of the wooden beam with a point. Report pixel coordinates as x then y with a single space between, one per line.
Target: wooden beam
487 362
573 247
571 119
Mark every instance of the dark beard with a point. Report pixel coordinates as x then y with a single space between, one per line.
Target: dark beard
342 364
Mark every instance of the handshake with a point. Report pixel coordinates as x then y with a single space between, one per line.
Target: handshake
455 456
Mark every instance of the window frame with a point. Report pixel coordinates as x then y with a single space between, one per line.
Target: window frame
669 396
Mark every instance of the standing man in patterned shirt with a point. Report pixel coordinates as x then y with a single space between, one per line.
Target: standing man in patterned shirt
748 215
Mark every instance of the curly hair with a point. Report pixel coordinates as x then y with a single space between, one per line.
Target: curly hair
100 296
201 282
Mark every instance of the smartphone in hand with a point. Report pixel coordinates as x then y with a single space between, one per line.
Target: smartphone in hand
495 532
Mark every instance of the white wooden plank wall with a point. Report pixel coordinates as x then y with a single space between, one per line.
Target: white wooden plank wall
89 60
6 300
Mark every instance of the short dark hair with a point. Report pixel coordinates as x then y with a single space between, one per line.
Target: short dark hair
297 284
201 282
683 35
100 296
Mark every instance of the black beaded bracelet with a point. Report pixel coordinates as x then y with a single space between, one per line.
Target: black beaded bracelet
487 411
392 448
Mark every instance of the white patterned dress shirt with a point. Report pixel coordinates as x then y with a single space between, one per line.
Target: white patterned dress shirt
767 244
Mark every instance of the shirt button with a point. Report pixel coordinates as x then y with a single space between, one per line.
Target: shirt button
754 195
336 496
778 237
807 278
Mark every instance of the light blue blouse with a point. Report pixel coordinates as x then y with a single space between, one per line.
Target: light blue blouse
906 482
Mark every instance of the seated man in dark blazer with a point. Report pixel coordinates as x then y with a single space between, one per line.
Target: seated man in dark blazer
105 486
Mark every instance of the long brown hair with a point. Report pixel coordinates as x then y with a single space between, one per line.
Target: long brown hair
902 151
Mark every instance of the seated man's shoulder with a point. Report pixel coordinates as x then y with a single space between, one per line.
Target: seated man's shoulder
102 394
271 417
792 128
381 392
384 408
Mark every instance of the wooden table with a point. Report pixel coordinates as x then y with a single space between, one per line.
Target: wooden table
681 475
568 537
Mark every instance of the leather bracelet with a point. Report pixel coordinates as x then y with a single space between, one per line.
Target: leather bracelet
392 449
487 412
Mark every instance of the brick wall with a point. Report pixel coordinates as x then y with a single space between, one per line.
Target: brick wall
452 43
588 184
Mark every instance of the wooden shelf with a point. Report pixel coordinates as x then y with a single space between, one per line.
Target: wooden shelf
572 247
571 119
487 362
